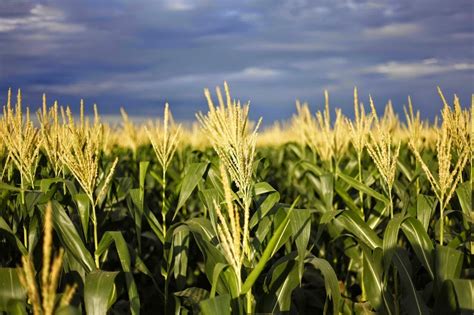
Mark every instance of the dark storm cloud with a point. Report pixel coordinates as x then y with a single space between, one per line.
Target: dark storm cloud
139 54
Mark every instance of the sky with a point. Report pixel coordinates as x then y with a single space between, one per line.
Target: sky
140 54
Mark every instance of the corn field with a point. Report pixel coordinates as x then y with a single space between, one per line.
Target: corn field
320 214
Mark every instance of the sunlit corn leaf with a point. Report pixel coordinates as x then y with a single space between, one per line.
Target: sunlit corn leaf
193 176
33 234
99 292
464 294
330 280
69 237
11 290
352 222
217 305
425 206
203 234
421 243
300 225
448 264
376 290
390 239
122 250
267 199
281 280
362 187
464 193
179 251
273 245
83 208
67 310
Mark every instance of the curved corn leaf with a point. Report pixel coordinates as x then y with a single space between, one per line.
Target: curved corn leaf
99 292
446 302
193 176
421 243
390 239
218 268
272 246
376 291
204 235
11 290
6 228
464 293
83 208
179 251
217 305
69 237
330 280
448 264
414 302
116 237
265 203
424 209
280 282
353 223
67 310
362 187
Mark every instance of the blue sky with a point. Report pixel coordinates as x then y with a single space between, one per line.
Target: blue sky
139 54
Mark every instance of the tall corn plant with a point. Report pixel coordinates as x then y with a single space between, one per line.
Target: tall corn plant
231 221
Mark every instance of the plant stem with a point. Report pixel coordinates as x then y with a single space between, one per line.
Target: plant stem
361 194
441 223
249 302
94 224
390 202
25 236
163 207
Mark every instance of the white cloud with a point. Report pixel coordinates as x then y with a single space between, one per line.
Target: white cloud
40 18
393 30
410 70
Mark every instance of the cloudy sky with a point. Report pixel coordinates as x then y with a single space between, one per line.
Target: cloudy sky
141 53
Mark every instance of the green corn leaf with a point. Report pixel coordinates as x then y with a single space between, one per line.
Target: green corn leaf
193 176
446 302
83 208
362 187
179 249
11 290
448 264
218 268
414 302
217 305
203 234
330 280
353 223
67 310
464 193
281 280
9 232
424 209
69 237
99 292
269 197
464 292
272 246
376 291
420 242
8 187
390 239
300 225
116 237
